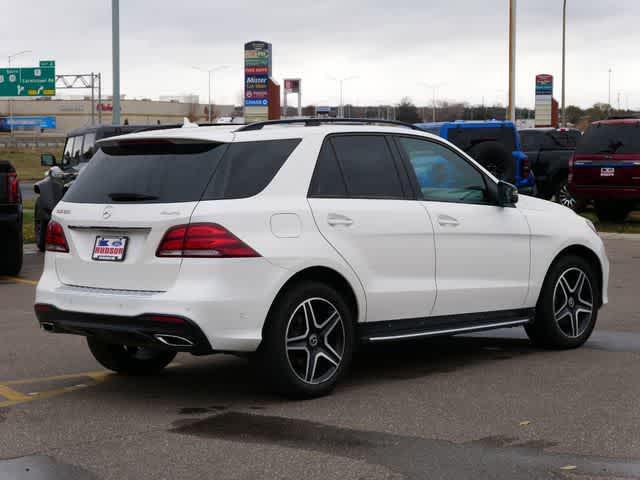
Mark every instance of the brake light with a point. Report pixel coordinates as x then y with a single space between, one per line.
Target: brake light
204 240
525 167
56 241
13 187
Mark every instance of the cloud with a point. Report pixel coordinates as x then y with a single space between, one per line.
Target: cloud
393 48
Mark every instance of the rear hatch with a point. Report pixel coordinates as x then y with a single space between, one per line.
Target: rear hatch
118 210
608 156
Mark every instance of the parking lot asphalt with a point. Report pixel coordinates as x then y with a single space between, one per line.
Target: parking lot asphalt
479 406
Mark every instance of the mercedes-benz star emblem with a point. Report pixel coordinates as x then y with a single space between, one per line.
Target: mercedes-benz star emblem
107 212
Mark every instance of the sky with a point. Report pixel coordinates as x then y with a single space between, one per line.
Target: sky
395 49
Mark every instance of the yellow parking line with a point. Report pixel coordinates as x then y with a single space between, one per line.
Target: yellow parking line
96 375
12 395
18 280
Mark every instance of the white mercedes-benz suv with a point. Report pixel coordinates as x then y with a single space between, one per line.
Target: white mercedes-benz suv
296 241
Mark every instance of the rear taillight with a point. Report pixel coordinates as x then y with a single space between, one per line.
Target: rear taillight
13 188
56 241
525 167
203 240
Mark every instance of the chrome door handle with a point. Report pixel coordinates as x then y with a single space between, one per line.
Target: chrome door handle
335 220
447 221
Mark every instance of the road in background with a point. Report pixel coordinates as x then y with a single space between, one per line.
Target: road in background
481 406
27 190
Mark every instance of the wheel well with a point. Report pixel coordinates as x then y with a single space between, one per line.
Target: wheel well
327 276
589 256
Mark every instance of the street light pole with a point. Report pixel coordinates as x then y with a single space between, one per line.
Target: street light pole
610 74
210 72
115 46
512 60
564 63
9 58
341 84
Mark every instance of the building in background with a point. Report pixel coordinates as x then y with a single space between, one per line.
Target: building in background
71 114
184 98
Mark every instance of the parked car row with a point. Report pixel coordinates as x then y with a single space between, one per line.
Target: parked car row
600 167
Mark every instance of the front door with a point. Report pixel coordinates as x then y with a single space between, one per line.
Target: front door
482 250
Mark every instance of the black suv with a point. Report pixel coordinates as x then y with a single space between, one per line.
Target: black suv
78 150
10 220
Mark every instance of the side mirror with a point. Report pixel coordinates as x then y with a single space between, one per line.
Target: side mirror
48 160
507 194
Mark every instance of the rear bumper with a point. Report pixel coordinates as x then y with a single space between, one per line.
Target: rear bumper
228 302
157 331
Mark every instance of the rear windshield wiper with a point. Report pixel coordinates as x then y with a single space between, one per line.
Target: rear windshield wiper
131 197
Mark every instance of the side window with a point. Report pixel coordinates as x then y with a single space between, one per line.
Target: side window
248 167
77 148
88 147
368 167
442 174
327 181
68 151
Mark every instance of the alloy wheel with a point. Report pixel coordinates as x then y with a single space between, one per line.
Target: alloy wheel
565 197
315 340
573 302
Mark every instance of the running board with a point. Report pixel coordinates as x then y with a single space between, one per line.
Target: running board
443 326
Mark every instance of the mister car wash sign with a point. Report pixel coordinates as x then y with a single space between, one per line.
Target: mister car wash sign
257 71
37 81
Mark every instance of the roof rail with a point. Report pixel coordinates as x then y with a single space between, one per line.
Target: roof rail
624 117
316 122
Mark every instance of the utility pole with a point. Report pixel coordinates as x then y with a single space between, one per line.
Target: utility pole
564 63
512 60
115 42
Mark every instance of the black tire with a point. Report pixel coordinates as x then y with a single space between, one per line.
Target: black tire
612 211
496 158
284 364
129 360
12 249
564 197
559 327
40 228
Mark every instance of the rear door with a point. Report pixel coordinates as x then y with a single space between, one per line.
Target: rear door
361 203
131 193
608 156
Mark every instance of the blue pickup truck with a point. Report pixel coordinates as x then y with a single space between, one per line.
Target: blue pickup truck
495 144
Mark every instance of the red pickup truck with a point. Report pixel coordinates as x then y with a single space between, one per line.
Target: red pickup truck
606 168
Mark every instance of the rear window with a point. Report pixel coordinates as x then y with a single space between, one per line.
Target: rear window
603 138
466 138
147 173
173 172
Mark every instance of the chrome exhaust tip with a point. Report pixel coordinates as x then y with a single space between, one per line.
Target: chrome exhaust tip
174 340
48 326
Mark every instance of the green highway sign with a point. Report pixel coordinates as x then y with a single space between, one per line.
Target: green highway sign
29 82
